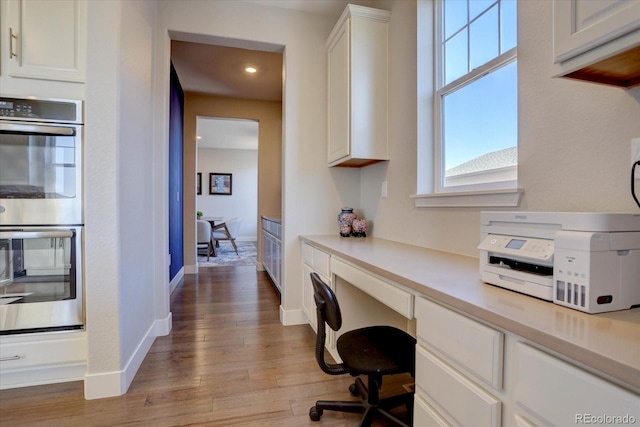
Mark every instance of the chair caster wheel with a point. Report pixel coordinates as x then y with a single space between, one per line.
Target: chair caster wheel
353 389
315 413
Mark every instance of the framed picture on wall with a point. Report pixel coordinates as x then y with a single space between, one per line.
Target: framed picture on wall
220 183
199 184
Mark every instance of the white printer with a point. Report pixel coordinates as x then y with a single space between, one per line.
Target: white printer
586 261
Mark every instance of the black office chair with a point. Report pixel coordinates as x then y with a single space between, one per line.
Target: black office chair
374 351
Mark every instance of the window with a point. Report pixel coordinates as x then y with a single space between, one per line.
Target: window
476 103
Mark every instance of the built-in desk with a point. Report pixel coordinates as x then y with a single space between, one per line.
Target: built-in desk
587 353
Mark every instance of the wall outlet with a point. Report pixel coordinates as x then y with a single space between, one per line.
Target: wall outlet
635 155
383 191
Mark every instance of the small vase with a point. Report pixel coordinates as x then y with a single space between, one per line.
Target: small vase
345 219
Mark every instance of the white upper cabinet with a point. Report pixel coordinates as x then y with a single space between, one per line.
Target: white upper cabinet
358 88
45 39
598 40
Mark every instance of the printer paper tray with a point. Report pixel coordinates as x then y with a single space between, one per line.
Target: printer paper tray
525 283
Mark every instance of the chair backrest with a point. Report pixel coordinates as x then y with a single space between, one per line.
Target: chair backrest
233 225
326 303
328 311
203 231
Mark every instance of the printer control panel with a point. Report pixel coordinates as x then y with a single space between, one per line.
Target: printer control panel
524 247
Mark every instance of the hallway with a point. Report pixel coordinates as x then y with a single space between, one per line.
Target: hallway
227 362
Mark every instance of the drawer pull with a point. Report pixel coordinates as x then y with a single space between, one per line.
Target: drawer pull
6 359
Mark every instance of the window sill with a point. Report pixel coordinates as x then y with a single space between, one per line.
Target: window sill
470 199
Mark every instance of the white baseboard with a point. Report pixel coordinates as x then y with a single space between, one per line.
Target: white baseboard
292 317
162 327
191 269
116 383
176 279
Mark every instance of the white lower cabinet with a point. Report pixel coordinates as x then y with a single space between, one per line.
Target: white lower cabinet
552 392
42 358
424 415
314 261
272 250
459 365
471 374
456 397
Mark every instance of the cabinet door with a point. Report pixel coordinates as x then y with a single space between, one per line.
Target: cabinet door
559 394
581 25
267 257
277 261
339 89
308 305
47 39
453 395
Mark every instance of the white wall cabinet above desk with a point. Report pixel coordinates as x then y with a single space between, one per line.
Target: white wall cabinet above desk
358 88
598 40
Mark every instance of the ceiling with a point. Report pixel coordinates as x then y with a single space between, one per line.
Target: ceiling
237 134
220 70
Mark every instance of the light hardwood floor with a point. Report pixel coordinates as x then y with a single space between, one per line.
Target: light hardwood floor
227 362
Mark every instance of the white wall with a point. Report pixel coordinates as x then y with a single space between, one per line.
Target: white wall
574 141
243 201
123 274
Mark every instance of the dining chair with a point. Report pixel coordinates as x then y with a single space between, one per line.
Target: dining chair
204 237
227 230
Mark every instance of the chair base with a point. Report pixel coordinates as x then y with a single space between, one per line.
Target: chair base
371 405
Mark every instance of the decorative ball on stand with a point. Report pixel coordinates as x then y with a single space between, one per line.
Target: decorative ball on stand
359 228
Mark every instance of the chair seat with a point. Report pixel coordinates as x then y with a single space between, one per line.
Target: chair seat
382 350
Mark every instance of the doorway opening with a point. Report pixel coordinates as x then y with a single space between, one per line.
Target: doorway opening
227 182
218 86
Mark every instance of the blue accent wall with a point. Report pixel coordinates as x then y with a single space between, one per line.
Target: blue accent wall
176 121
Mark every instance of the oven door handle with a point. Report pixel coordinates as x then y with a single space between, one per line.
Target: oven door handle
36 129
43 234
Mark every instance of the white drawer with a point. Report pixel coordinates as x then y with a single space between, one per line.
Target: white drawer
392 296
317 259
307 254
472 346
42 349
453 395
425 416
557 392
321 262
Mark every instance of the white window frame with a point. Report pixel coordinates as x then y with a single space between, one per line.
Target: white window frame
431 190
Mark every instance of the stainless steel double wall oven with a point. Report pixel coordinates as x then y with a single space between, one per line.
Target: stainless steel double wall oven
41 219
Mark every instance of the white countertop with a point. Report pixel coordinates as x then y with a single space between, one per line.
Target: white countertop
606 342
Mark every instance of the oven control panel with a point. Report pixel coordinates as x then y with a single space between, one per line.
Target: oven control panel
42 110
12 109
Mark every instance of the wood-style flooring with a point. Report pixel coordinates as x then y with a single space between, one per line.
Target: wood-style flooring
228 361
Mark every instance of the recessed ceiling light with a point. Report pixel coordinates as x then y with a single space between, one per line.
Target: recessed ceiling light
198 137
251 70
